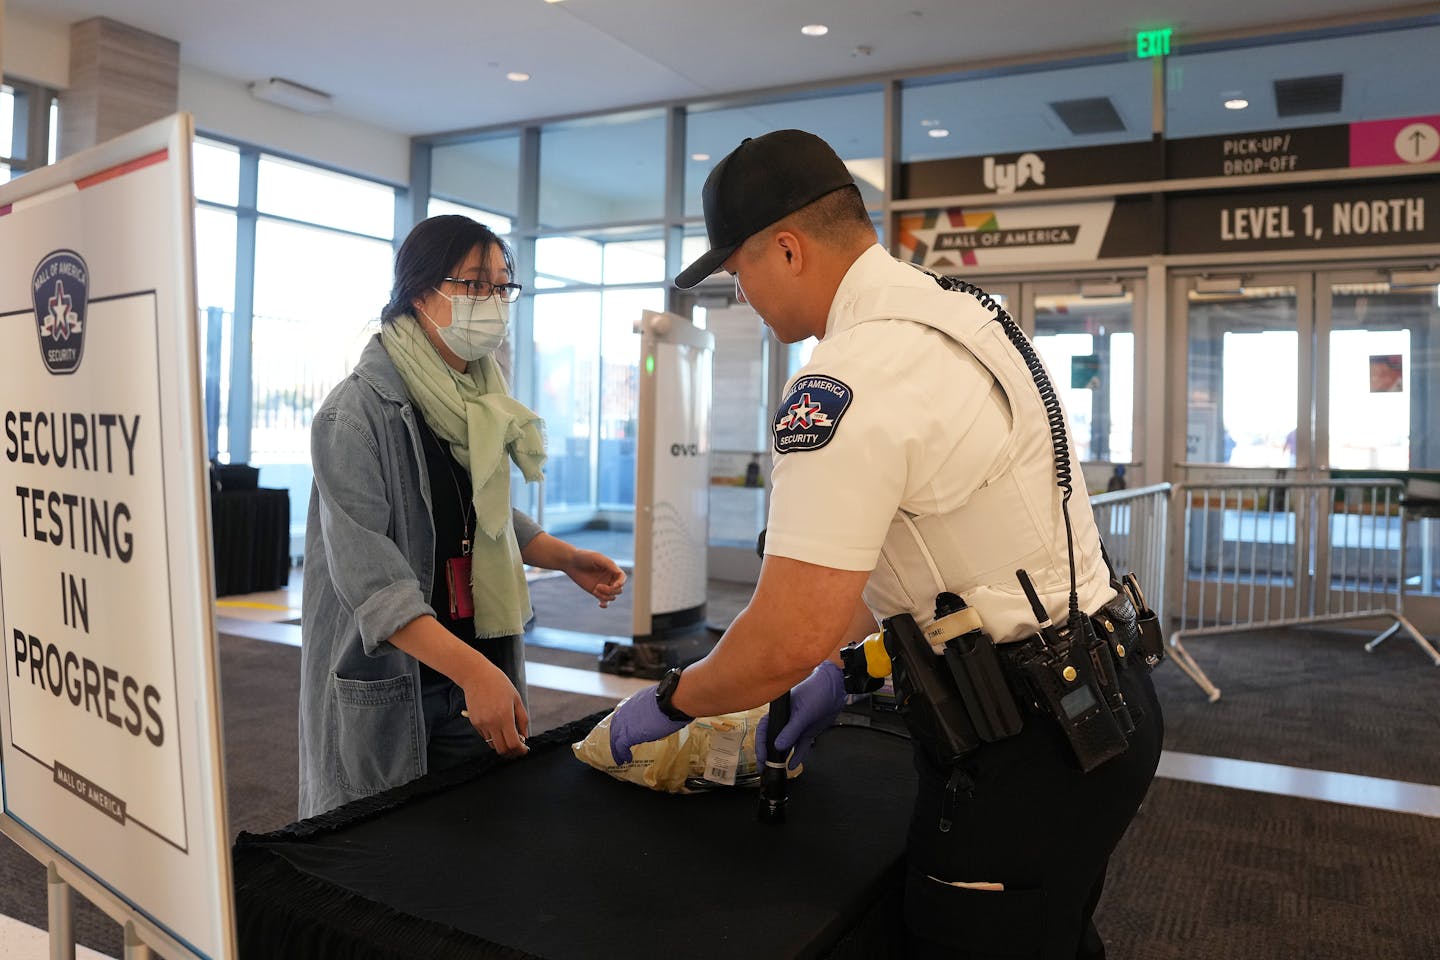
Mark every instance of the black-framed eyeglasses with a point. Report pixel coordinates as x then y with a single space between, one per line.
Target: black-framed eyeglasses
481 290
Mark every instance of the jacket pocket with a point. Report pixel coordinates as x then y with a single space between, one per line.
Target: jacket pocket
994 923
377 734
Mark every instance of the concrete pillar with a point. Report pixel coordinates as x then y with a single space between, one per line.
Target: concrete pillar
121 78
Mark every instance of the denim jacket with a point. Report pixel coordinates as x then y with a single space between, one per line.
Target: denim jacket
369 559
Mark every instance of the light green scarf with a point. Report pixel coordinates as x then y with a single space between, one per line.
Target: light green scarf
475 414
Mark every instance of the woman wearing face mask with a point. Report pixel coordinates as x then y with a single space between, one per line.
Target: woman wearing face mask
415 597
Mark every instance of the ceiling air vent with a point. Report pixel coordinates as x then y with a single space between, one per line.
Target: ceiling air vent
1299 96
1090 115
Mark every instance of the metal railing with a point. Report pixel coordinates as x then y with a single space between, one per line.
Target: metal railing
1132 525
1260 554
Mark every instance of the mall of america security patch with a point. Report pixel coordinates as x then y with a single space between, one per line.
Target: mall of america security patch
810 415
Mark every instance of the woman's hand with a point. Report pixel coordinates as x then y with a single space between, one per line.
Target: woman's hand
597 575
494 707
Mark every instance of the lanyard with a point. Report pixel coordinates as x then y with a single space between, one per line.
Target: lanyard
467 508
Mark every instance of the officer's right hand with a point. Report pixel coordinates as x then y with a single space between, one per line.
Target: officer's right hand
814 703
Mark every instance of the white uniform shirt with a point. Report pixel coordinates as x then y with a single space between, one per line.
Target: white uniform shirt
894 432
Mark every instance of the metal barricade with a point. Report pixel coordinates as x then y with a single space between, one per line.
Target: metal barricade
1132 525
1258 554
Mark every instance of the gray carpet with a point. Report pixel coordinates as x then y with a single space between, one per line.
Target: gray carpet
1207 873
1309 699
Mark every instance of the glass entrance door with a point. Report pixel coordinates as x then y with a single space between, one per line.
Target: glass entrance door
1379 333
1084 331
1315 376
1310 372
1378 397
1247 342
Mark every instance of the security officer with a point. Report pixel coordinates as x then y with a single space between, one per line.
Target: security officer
912 455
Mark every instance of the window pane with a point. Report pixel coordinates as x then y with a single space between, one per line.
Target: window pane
1369 76
7 122
567 357
1243 378
1089 352
1382 379
633 261
481 173
605 170
54 129
215 297
619 392
1369 399
308 328
968 117
564 260
215 258
501 225
852 123
217 172
303 192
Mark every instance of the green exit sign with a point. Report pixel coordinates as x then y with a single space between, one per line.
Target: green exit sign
1152 43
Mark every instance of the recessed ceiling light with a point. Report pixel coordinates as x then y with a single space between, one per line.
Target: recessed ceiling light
517 76
929 123
699 156
814 29
938 132
1236 103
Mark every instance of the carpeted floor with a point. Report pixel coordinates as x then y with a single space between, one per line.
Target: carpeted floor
1309 699
1207 873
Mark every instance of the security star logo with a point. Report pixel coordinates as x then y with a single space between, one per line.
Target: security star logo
60 288
802 415
810 414
61 320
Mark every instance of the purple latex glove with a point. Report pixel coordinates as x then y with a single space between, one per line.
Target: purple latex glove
814 702
639 720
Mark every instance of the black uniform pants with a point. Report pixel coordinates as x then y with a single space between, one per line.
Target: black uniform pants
1034 823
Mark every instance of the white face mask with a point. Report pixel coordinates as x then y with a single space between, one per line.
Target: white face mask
476 328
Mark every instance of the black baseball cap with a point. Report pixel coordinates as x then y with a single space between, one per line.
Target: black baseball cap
758 183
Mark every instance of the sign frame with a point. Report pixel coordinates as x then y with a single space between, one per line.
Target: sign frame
188 544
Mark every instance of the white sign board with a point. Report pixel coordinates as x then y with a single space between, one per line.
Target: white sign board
109 706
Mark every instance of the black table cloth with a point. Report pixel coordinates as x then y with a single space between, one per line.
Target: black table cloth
252 540
547 858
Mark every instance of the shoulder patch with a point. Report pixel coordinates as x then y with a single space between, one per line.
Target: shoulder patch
810 414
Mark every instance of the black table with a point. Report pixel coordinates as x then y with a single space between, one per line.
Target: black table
548 858
252 540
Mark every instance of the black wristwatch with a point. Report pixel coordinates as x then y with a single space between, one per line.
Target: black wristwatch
664 690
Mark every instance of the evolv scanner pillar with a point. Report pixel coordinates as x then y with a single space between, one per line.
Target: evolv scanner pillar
672 501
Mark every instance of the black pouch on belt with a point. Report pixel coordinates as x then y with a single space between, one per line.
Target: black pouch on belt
1149 638
1115 624
929 701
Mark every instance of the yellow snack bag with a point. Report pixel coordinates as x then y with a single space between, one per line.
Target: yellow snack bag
710 751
